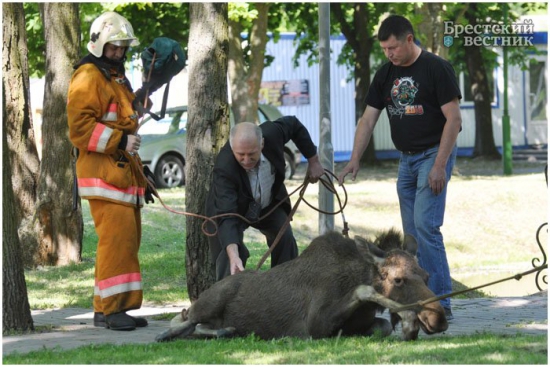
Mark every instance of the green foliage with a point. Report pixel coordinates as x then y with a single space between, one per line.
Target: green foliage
244 13
439 350
35 40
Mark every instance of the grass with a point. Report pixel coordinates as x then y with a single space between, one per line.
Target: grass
490 224
475 349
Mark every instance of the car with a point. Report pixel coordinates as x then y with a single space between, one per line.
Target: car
163 145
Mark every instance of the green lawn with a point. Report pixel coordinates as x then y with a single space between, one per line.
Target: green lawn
475 349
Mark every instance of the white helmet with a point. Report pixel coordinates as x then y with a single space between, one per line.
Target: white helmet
110 27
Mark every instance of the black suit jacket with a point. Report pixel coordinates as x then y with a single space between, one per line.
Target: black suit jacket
230 190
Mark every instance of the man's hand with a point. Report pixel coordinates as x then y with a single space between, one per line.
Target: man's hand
352 167
437 179
133 143
314 169
235 262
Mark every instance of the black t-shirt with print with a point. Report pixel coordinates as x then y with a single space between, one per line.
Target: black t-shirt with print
413 97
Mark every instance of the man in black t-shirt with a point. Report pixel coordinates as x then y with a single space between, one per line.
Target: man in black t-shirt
421 95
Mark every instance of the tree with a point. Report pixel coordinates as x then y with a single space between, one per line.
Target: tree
17 120
429 31
15 115
358 28
15 302
58 220
484 140
207 128
246 66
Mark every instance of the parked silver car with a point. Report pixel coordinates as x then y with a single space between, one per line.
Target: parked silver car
163 145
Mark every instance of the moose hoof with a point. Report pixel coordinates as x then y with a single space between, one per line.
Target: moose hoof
164 337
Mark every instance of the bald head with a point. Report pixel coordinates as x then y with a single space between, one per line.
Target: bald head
246 142
245 131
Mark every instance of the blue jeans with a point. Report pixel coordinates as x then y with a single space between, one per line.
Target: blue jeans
422 215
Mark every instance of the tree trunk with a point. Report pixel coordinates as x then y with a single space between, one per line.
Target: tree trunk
59 225
17 123
16 313
361 42
258 41
207 129
484 140
430 30
246 78
240 103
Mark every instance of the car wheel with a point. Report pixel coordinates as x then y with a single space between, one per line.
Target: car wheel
169 172
290 166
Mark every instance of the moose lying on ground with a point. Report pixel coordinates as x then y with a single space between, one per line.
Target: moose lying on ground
335 287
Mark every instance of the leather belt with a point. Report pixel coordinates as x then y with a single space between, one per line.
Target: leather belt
414 152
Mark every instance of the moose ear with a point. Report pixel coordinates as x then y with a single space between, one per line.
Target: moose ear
377 253
360 241
410 245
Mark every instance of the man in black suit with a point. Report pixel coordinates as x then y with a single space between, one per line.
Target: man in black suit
248 180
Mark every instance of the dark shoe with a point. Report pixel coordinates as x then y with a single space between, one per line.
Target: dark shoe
99 320
120 321
448 314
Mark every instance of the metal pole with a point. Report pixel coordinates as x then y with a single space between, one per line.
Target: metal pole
506 139
326 150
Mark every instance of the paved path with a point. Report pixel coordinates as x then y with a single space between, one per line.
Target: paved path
73 327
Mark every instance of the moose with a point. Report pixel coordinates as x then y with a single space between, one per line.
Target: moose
335 287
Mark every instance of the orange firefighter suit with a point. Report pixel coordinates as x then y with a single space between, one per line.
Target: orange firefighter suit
100 113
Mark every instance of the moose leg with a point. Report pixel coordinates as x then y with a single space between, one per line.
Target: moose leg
178 329
342 315
409 321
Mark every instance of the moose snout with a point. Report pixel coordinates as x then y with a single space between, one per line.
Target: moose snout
432 318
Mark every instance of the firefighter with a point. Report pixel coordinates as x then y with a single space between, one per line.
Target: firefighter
103 126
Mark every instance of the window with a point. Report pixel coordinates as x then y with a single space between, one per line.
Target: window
537 91
466 88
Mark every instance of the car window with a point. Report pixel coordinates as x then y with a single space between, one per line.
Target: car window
172 123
